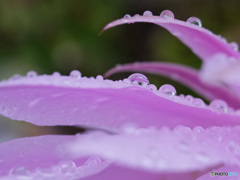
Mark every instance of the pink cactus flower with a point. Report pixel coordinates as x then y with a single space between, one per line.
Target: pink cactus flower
140 132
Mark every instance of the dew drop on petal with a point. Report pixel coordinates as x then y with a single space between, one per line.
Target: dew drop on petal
92 161
56 74
75 74
99 77
31 74
195 21
15 77
167 14
66 164
168 89
139 78
189 98
198 102
136 15
219 105
201 157
152 87
147 13
19 171
234 45
127 16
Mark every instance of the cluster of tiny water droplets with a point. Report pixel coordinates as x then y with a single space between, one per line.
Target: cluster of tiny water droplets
66 168
195 21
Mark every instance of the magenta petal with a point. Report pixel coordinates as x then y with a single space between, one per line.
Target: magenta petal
200 40
50 100
38 157
163 151
185 75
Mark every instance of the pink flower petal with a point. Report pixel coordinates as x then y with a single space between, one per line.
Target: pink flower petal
38 157
185 75
62 100
163 151
200 40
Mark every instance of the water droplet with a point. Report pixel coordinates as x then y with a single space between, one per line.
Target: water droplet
189 98
56 74
198 102
168 89
15 77
201 157
152 87
66 165
198 129
234 45
19 171
195 21
127 16
92 161
219 105
99 77
139 78
136 15
75 74
31 74
183 146
167 14
147 13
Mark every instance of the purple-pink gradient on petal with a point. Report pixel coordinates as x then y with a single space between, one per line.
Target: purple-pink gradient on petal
183 74
99 104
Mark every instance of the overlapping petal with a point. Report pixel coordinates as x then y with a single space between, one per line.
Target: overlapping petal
187 76
63 100
38 158
200 40
181 151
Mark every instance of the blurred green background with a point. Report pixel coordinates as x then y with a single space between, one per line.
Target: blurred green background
62 35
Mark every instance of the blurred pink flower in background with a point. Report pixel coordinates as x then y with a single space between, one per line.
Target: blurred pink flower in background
140 132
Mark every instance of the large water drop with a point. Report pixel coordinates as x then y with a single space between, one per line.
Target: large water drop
168 89
139 78
147 13
195 21
167 14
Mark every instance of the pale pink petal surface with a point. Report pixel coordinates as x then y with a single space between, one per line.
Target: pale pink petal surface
186 75
163 151
200 40
38 157
63 100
